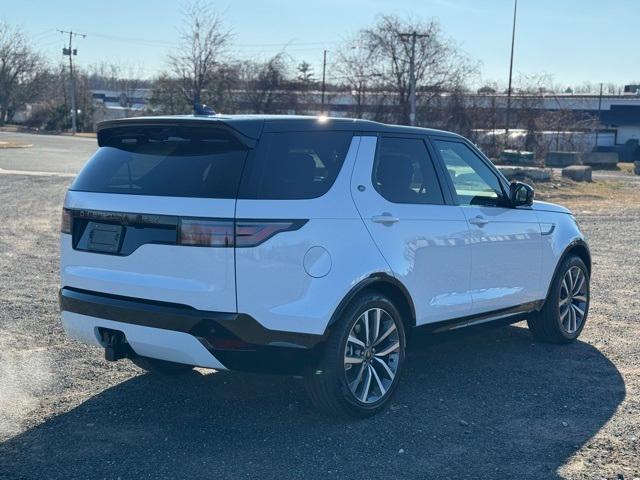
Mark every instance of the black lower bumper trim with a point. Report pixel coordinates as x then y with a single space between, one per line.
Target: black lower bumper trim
209 327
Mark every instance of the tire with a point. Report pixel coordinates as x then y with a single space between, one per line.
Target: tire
329 388
563 323
161 367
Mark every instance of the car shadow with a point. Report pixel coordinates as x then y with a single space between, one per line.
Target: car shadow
481 404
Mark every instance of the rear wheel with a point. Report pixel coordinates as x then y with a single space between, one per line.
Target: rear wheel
362 361
564 314
161 367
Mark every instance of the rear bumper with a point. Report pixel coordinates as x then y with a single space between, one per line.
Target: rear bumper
182 334
144 341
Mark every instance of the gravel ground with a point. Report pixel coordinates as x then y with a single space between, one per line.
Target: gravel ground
488 403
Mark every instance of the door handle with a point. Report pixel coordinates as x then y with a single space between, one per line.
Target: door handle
479 221
386 219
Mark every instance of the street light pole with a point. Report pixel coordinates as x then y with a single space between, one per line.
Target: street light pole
412 67
324 70
513 42
599 115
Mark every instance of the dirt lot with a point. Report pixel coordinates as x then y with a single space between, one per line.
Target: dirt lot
483 404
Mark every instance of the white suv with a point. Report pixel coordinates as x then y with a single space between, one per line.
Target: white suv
305 246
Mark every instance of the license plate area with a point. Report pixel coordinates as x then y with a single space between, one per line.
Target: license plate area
104 237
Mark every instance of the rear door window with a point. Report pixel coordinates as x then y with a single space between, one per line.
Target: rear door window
404 173
296 165
171 161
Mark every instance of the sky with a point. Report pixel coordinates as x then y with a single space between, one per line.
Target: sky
574 41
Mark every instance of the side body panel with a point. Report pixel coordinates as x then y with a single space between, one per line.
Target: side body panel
506 257
296 280
506 246
427 248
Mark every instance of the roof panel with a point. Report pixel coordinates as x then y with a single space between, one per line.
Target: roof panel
252 125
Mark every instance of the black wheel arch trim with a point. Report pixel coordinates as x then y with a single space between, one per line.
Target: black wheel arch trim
372 280
576 243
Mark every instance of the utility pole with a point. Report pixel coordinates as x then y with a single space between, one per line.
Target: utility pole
513 42
412 72
324 70
71 52
599 110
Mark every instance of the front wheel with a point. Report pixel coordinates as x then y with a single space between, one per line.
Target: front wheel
362 360
564 313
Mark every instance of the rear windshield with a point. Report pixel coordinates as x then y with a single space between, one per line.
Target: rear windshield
165 161
296 165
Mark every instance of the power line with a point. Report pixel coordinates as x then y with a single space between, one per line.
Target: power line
155 42
44 35
71 52
51 43
302 44
133 40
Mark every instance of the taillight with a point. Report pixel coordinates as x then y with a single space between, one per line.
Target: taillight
206 233
250 233
67 221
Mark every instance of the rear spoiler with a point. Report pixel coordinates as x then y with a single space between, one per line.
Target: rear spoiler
247 132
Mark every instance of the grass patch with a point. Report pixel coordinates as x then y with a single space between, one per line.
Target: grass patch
626 168
589 195
12 144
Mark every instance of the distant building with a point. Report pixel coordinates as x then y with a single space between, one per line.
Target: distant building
486 90
114 104
625 119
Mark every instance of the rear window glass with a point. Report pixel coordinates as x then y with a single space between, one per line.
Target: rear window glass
403 172
296 165
165 161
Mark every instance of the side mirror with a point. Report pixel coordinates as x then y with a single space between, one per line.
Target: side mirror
520 194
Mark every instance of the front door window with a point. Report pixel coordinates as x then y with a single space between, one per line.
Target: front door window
474 182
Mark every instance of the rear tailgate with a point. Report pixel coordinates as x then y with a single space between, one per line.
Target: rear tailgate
151 216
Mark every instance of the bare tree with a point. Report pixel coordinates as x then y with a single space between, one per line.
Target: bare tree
267 89
529 108
20 66
439 64
167 96
356 68
204 43
306 83
50 102
305 73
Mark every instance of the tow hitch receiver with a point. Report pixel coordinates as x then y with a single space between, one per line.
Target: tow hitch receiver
116 346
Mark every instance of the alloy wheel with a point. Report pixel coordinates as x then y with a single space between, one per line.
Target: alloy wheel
573 299
372 355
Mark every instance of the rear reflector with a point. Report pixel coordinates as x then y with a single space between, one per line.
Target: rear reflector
206 233
220 233
67 221
250 233
229 344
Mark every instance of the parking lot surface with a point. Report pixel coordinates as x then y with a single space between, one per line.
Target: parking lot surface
487 403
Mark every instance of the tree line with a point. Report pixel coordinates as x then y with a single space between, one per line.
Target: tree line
372 67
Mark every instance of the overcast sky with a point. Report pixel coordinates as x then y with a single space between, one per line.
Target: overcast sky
573 40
